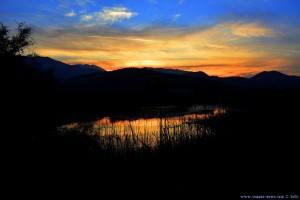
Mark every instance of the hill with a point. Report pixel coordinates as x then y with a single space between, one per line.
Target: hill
167 71
129 80
274 79
141 86
62 70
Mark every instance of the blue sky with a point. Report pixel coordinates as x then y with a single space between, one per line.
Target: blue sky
189 12
220 37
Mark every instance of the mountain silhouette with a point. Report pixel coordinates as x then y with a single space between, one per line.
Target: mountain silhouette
86 66
167 71
133 87
198 74
262 80
274 79
135 80
265 79
62 70
269 75
141 82
235 81
90 79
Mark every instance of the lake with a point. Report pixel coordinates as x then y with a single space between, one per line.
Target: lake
153 126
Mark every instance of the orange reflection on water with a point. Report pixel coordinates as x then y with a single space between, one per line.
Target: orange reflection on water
152 131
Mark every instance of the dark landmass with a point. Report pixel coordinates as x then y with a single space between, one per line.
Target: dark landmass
133 87
253 152
62 70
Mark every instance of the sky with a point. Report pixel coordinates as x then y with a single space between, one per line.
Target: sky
219 37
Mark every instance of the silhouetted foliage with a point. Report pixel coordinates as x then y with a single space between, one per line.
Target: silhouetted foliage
15 44
28 91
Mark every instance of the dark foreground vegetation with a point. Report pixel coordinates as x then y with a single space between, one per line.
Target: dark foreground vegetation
253 150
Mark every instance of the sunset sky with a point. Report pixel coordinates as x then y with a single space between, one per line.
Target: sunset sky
219 37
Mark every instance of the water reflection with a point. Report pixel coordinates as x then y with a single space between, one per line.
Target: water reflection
155 126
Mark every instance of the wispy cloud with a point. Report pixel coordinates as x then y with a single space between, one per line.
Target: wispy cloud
249 30
115 14
203 34
71 14
175 17
124 38
242 48
69 4
109 15
86 17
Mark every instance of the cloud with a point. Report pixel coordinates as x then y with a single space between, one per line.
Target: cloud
86 17
249 30
65 4
109 15
70 14
115 14
175 17
226 48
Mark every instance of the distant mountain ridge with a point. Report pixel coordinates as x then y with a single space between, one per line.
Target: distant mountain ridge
85 66
142 81
82 72
265 79
62 70
198 74
275 79
139 81
167 71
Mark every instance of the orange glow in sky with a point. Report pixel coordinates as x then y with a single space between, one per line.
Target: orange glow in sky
218 37
226 49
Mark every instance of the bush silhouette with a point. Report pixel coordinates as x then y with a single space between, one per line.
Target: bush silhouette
28 92
15 44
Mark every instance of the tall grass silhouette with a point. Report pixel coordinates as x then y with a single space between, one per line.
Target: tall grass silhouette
133 137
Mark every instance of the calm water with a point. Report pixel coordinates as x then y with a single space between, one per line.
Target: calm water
154 125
